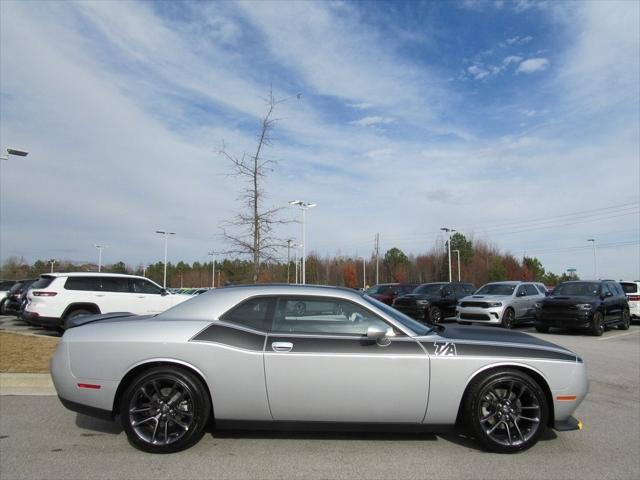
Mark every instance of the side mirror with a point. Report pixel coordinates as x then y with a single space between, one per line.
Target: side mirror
522 293
608 294
378 335
164 292
446 293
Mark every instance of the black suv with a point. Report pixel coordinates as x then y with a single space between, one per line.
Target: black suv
587 305
433 302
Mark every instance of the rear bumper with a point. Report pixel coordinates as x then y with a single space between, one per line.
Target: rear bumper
87 410
35 319
568 424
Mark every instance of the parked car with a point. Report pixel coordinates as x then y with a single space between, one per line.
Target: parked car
63 296
234 357
13 303
632 291
501 303
433 302
588 305
388 292
5 286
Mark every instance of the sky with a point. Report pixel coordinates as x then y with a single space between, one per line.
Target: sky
517 123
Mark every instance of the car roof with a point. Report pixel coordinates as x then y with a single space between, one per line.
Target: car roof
89 274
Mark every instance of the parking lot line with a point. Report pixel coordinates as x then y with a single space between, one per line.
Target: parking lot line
619 335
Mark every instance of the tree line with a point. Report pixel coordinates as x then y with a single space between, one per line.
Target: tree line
480 262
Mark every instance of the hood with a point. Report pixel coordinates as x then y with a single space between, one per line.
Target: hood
491 298
569 299
419 296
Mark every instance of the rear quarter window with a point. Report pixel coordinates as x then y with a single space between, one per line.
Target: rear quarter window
42 282
83 283
629 287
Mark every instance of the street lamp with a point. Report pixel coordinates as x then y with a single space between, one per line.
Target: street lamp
213 269
100 248
52 261
595 261
304 206
166 236
16 153
449 232
458 253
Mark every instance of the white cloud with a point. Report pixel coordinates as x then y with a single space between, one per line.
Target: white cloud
360 106
517 40
532 65
511 59
372 121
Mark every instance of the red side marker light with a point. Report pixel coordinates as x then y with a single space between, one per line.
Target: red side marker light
566 398
91 386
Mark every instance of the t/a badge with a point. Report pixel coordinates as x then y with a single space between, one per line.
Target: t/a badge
444 349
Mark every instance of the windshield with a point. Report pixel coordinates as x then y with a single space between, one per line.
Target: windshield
406 321
578 289
429 289
496 289
379 290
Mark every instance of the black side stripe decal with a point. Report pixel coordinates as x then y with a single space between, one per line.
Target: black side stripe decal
232 337
347 345
451 348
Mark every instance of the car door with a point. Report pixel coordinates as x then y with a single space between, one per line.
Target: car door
616 302
448 302
115 296
520 301
148 297
533 296
321 366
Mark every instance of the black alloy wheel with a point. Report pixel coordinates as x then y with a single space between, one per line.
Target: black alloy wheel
507 410
78 313
626 320
435 315
597 324
165 410
508 318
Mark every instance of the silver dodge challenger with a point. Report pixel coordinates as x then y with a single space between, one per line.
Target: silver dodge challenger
252 357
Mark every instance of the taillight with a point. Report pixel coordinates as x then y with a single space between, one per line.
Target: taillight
634 298
44 294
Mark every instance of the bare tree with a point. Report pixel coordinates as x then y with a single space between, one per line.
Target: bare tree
250 232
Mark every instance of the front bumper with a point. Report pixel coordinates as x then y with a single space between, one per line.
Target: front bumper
573 319
568 424
490 315
419 312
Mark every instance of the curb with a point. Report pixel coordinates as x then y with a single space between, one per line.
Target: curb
26 384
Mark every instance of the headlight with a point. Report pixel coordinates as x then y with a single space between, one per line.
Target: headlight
537 305
495 304
584 306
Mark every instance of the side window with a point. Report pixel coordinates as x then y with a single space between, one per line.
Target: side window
253 313
83 283
521 291
541 288
446 291
140 285
614 289
324 315
459 291
115 284
605 289
530 289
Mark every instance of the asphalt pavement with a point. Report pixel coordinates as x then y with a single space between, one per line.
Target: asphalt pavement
40 439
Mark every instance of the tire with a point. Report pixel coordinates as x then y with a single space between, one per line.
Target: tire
165 410
597 324
541 328
2 309
78 313
508 318
507 410
435 315
626 320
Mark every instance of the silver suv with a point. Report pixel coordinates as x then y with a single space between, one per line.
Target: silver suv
501 303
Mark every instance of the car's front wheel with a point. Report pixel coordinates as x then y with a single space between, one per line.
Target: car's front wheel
435 315
597 324
165 410
508 318
507 410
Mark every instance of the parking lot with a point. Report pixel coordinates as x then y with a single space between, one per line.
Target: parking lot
40 439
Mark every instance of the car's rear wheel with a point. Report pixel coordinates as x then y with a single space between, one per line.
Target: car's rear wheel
541 328
626 320
435 315
507 410
165 410
508 318
78 313
597 324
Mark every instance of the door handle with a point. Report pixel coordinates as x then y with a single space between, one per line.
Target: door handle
100 295
281 346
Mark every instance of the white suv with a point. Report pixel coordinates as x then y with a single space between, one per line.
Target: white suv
57 297
632 290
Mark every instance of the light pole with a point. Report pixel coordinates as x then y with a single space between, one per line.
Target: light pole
52 261
100 248
449 232
364 273
166 236
144 271
595 259
15 153
458 253
288 257
213 269
304 206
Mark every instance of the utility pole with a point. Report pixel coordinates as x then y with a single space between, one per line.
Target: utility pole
213 269
595 260
377 257
458 252
449 232
288 257
166 236
100 248
364 273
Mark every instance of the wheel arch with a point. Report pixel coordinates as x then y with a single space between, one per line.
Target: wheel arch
81 306
145 365
527 369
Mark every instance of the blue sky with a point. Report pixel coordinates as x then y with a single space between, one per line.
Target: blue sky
513 122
